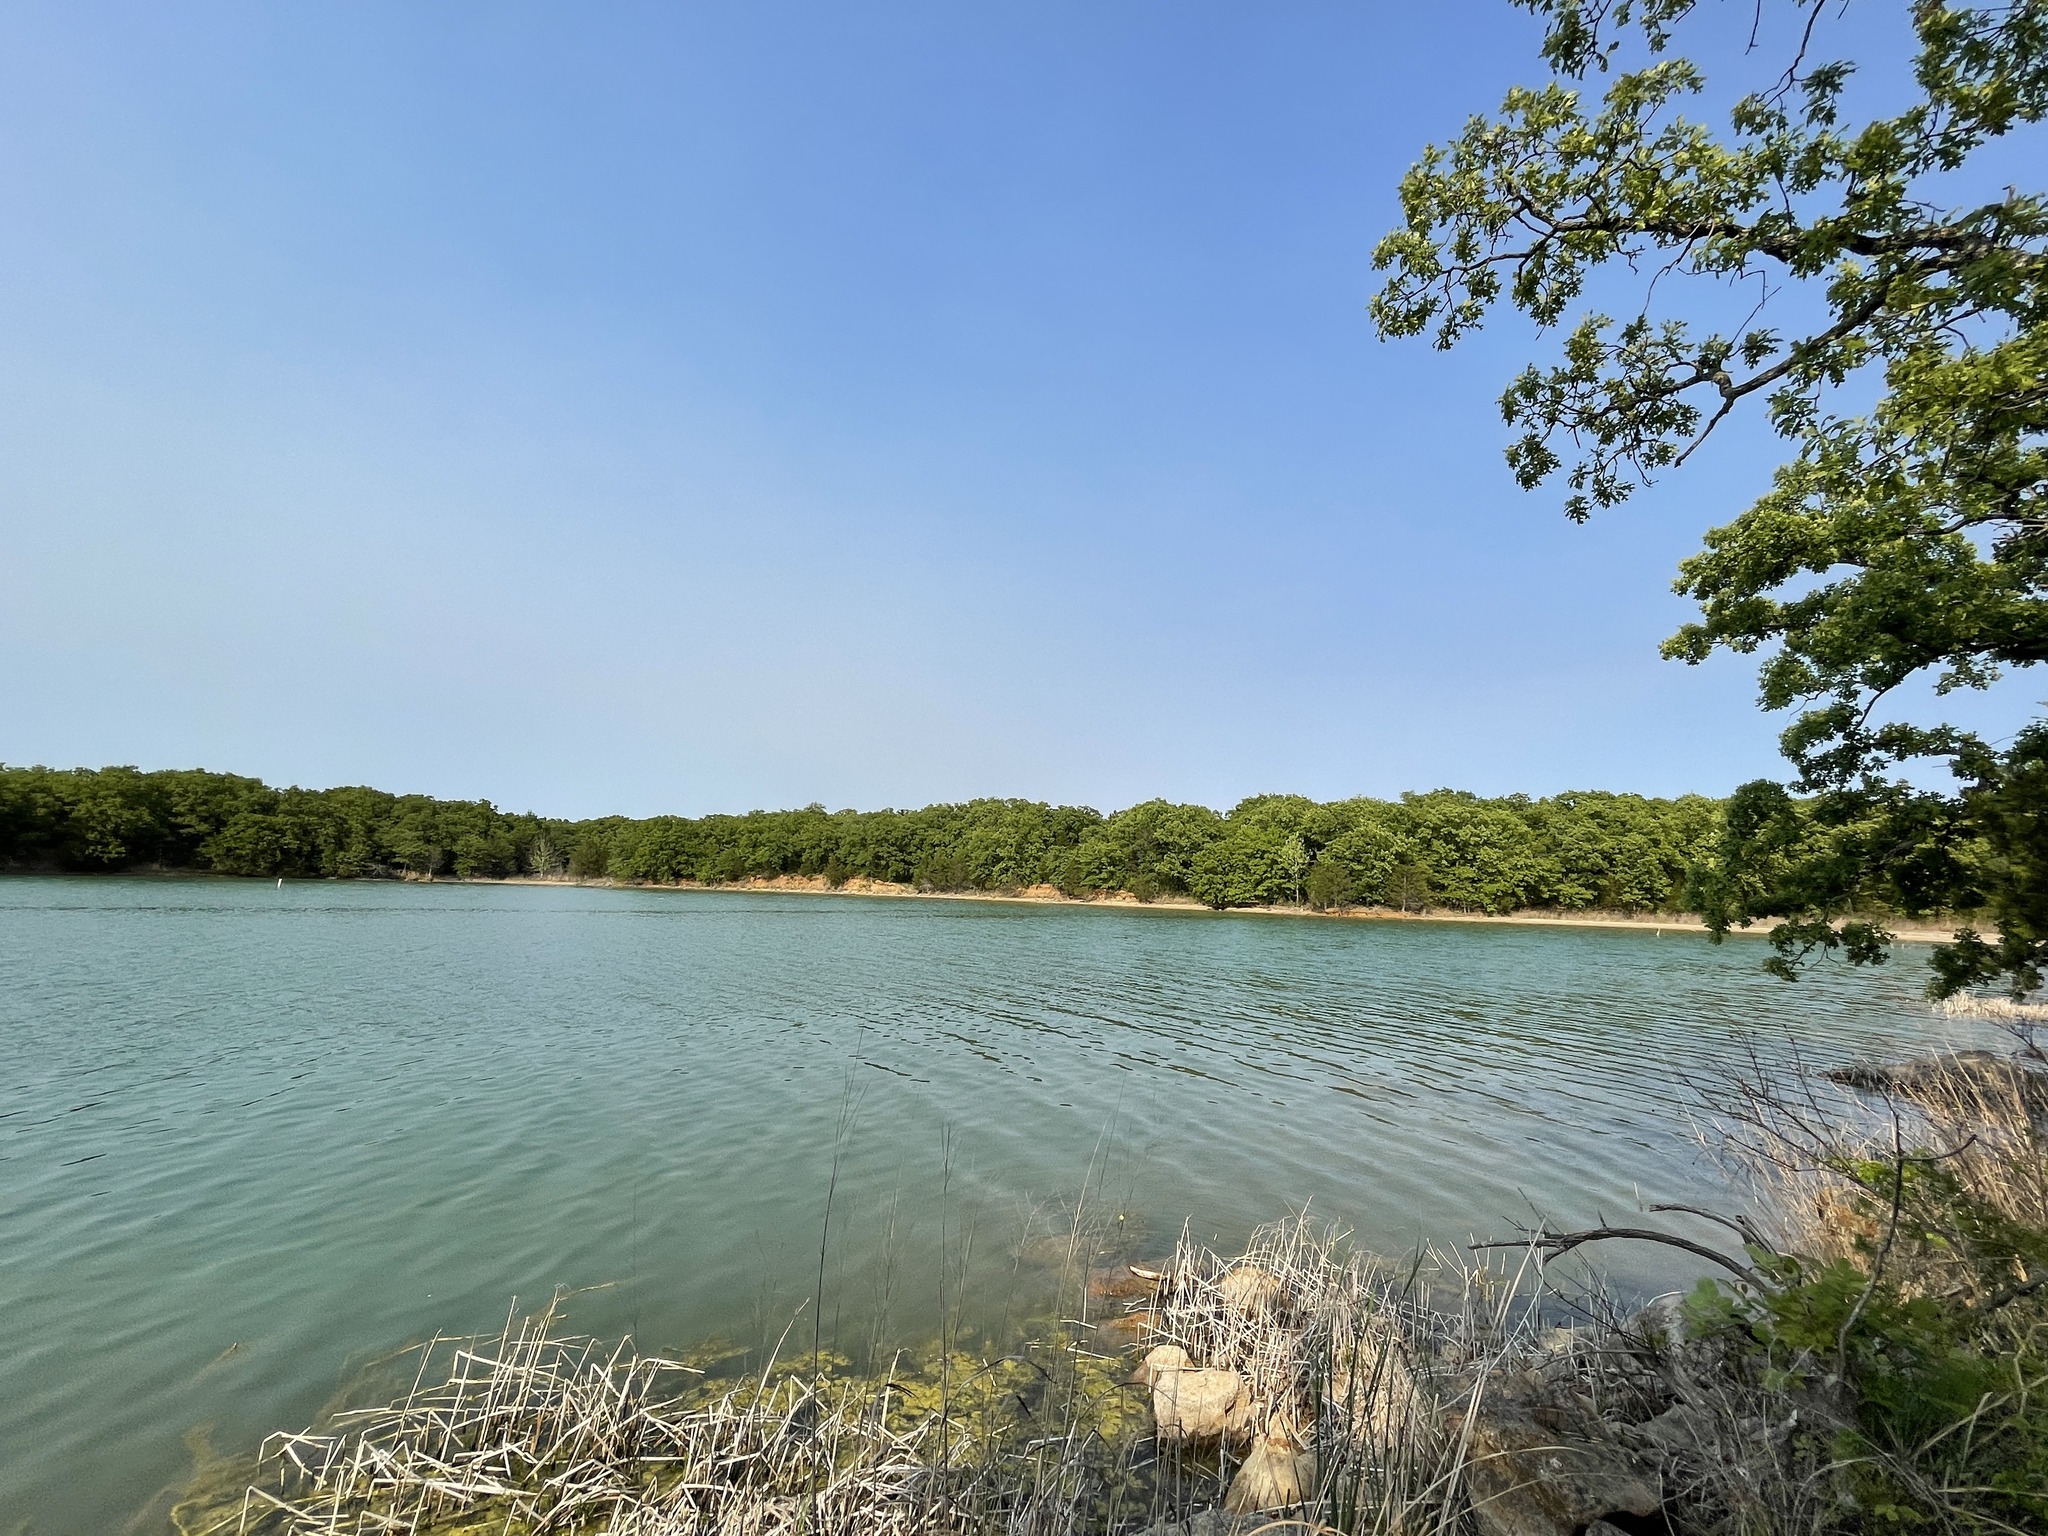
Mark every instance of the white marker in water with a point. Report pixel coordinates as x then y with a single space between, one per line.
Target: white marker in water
280 882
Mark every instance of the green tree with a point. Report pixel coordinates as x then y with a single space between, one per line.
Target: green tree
1371 849
1146 850
1478 854
1457 848
1295 859
1248 866
1895 340
1330 886
115 818
34 811
590 854
260 843
1604 850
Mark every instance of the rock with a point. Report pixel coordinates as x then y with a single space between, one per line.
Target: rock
1657 1334
1191 1403
1203 1522
1251 1291
1160 1359
1122 1283
1373 1390
1122 1330
1679 1430
1660 1325
1542 1469
1980 1082
1278 1474
1565 1342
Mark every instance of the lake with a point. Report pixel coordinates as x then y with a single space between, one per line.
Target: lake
252 1136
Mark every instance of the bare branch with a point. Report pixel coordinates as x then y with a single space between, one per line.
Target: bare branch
1551 1245
1735 1224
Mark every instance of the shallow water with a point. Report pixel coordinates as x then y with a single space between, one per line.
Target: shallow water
251 1136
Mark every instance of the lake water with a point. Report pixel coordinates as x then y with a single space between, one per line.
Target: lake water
250 1136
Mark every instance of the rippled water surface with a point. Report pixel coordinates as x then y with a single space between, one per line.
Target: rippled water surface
251 1135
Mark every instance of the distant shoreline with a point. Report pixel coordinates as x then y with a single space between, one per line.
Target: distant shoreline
1047 895
1042 895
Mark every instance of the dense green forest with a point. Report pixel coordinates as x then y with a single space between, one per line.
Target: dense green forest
1443 849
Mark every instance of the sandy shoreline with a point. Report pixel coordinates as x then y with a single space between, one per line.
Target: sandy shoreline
1046 895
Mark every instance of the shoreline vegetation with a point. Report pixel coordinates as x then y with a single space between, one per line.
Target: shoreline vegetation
1588 858
1866 1356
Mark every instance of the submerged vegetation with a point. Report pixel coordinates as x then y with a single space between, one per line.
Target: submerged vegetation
1868 1358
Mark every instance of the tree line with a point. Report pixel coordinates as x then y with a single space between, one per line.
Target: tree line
1444 849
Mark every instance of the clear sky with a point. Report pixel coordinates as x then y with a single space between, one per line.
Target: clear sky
701 407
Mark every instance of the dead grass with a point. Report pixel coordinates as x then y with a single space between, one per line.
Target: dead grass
533 1431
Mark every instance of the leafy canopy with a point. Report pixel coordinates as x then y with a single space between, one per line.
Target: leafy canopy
1907 540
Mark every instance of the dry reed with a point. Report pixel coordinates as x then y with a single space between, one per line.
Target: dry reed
536 1433
531 1431
1371 1374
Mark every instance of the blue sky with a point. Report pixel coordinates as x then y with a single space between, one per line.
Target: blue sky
665 407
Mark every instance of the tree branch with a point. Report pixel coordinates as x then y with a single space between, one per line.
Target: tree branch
1735 1224
2012 1293
1554 1244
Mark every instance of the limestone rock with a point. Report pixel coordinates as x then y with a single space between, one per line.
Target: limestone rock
1373 1390
1192 1403
1678 1430
1204 1522
1659 1336
1563 1343
1251 1291
1660 1325
1278 1474
1158 1360
1980 1079
1539 1469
